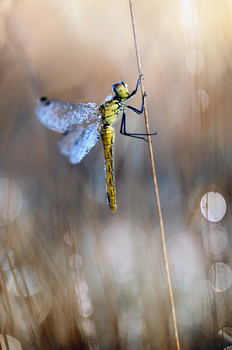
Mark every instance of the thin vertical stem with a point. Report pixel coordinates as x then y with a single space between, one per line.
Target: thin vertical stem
155 184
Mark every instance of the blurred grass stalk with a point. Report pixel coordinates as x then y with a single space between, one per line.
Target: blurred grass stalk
72 275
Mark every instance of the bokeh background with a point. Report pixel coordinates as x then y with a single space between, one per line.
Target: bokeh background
74 275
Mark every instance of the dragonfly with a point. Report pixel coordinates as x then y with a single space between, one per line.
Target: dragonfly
84 123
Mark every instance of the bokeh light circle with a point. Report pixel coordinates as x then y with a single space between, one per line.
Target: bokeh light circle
200 100
69 237
88 327
220 277
189 17
85 305
12 343
213 206
75 261
81 287
10 201
7 260
25 283
215 240
225 335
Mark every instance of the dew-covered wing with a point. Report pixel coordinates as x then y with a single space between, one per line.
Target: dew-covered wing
61 116
77 143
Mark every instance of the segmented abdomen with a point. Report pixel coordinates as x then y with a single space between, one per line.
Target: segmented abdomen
107 135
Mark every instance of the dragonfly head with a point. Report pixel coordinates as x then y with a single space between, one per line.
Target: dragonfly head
121 90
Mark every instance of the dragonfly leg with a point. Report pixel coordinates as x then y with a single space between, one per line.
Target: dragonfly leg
136 89
124 132
138 111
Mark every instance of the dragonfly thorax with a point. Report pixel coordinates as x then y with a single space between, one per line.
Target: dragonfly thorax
110 111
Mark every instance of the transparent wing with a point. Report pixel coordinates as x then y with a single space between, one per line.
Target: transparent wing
61 116
77 143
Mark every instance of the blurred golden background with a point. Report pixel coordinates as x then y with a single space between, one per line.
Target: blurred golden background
74 275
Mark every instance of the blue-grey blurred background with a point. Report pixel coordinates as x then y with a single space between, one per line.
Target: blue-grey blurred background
74 275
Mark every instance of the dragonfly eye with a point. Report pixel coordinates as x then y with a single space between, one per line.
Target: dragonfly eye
43 99
47 103
121 89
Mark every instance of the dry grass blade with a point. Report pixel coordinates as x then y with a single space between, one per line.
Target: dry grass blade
155 184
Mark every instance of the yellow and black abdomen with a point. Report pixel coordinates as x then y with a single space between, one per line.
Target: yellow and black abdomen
107 135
